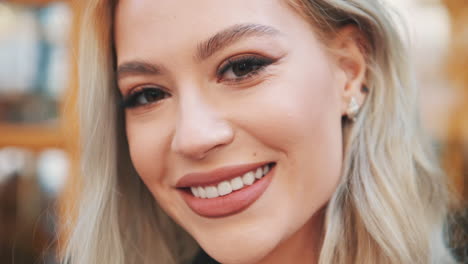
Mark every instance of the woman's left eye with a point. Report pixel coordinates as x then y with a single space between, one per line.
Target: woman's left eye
241 68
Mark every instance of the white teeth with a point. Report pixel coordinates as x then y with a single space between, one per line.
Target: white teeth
195 191
224 188
237 183
201 192
227 187
248 178
211 192
259 173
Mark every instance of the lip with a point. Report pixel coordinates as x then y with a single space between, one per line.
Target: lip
217 175
230 204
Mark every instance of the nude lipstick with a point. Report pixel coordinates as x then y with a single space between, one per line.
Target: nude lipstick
225 191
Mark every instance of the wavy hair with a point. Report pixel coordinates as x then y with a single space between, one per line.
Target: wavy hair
389 207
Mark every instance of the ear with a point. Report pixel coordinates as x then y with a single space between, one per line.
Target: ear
349 49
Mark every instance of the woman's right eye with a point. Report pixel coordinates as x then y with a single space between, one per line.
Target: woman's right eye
144 96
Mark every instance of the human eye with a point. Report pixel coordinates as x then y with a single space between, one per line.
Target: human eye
144 96
243 67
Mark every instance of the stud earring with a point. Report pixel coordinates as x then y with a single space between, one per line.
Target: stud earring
353 109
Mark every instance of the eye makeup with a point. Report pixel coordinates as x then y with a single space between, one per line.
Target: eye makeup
233 70
242 67
143 96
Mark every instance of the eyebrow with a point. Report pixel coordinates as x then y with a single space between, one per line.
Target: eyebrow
231 35
138 68
205 49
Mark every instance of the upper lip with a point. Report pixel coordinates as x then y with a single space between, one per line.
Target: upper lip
217 175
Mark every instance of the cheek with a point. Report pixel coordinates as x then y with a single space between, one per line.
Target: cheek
147 146
297 108
300 118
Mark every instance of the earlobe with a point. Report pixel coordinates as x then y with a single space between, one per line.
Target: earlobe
348 46
353 109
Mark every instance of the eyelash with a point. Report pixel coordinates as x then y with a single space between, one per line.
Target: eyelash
252 60
259 63
132 100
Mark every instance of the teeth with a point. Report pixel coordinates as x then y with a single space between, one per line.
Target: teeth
237 183
227 187
259 173
224 188
248 178
201 192
211 192
195 191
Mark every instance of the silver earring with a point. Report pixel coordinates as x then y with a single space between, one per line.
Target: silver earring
353 109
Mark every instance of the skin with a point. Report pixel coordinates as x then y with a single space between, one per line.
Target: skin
289 112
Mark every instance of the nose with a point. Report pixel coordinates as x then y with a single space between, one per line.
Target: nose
200 129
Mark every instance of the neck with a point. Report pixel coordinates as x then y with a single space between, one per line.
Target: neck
302 247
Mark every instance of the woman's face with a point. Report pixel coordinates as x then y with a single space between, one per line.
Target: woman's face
239 102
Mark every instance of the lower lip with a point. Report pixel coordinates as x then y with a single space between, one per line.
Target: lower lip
230 204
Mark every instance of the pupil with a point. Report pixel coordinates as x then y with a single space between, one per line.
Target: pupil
153 96
242 68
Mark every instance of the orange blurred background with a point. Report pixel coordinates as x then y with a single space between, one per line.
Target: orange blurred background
38 121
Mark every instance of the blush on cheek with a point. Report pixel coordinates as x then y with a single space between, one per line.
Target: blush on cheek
298 111
147 150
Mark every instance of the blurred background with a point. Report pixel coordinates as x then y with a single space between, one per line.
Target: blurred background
39 132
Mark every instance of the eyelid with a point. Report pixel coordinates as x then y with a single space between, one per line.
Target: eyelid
138 88
263 60
236 58
126 100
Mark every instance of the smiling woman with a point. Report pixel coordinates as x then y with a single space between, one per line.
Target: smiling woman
255 131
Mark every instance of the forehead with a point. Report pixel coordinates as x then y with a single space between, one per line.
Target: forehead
160 24
162 13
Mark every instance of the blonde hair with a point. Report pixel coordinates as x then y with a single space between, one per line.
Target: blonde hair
389 207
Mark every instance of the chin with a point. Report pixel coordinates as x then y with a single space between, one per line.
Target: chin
239 249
